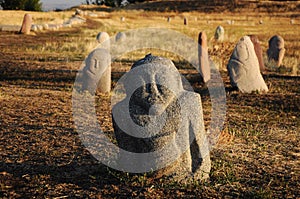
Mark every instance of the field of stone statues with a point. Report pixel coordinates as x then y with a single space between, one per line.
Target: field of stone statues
42 155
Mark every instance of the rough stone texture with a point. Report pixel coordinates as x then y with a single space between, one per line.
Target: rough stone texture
276 49
26 25
97 69
120 37
203 56
243 68
165 95
104 40
219 34
258 51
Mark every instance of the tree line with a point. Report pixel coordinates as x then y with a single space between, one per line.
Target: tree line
36 5
28 5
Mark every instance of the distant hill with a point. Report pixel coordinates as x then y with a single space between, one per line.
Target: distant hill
288 8
217 5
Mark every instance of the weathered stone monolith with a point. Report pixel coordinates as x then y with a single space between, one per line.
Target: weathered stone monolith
103 40
96 75
203 57
26 25
258 51
276 50
243 68
120 37
185 21
161 121
219 33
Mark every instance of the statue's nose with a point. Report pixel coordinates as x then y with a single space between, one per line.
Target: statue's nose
153 93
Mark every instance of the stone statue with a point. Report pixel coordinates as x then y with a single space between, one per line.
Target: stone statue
258 51
161 119
243 68
276 49
219 33
96 74
203 57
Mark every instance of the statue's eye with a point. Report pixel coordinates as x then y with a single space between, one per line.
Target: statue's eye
159 88
95 63
148 88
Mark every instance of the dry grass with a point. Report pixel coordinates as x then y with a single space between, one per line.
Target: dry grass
235 26
8 17
42 156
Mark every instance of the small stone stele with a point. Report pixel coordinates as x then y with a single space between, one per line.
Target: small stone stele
182 136
276 50
203 56
185 21
96 75
243 68
169 19
103 40
120 37
258 51
26 25
219 34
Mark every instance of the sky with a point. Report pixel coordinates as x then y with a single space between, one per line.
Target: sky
61 4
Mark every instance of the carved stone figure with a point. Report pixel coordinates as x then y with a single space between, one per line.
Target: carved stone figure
243 68
96 74
162 120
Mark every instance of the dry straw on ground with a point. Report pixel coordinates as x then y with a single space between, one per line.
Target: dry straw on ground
42 156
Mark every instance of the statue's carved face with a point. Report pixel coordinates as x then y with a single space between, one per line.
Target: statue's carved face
242 49
276 42
152 98
158 84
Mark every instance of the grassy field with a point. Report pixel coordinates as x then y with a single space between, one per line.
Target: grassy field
43 157
14 17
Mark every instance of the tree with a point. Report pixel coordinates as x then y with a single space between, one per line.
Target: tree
33 5
29 5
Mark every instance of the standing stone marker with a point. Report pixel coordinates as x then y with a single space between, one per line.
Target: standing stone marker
203 56
104 40
185 21
120 37
169 19
26 25
96 74
243 68
219 33
161 95
34 27
258 51
276 49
